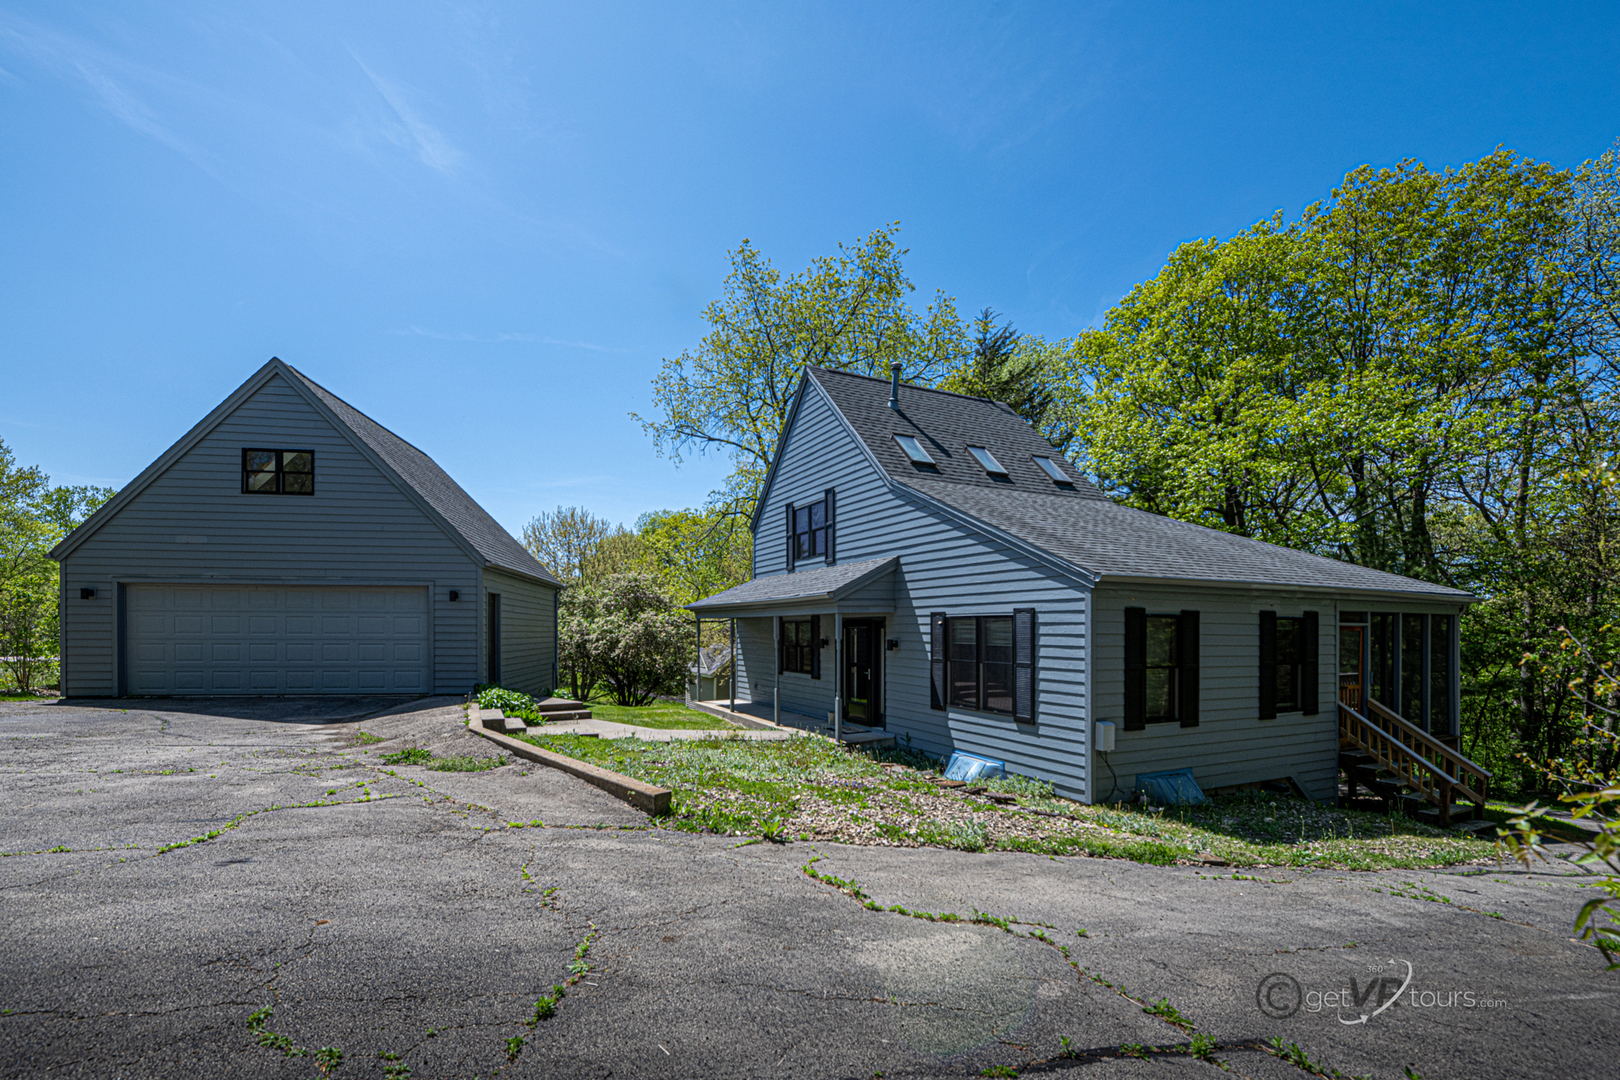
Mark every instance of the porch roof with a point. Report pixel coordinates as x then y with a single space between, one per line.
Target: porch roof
825 584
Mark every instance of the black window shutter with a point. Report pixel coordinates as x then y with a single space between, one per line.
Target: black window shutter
936 678
789 562
1187 663
815 646
1268 665
1308 674
1135 669
832 526
1024 664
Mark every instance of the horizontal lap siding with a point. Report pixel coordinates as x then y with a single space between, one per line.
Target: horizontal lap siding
358 526
1231 744
944 566
528 632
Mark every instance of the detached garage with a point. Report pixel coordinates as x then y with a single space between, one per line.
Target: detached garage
289 544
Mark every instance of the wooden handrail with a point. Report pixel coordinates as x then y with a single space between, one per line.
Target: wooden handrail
1409 762
1416 734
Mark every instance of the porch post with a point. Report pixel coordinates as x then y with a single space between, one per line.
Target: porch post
732 682
838 676
697 667
776 690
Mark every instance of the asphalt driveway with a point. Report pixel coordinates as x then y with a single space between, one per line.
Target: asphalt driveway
397 915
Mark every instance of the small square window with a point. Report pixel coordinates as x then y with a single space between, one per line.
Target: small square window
914 450
278 472
988 460
1051 468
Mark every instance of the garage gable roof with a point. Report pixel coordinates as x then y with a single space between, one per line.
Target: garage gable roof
417 475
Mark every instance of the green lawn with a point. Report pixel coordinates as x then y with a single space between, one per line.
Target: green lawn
12 695
661 714
809 789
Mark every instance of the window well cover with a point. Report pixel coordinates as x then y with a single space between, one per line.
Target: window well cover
1174 788
988 460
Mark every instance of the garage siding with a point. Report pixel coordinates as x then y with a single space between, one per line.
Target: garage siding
194 525
528 632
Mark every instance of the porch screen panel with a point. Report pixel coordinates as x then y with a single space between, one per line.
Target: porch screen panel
1381 679
1412 669
1440 675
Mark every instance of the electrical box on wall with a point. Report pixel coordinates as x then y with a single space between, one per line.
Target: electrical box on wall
1105 736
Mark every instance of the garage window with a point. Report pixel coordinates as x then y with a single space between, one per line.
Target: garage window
278 472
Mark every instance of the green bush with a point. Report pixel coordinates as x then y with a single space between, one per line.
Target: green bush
509 702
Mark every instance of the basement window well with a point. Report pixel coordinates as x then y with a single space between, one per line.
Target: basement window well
988 460
914 450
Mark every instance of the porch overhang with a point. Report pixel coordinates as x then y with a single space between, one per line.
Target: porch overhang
865 587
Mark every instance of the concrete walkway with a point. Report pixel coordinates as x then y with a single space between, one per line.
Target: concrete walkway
756 714
607 729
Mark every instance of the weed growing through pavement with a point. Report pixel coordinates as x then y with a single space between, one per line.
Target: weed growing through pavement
545 1007
411 755
1167 1012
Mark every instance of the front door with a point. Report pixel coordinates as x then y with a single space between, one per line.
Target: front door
863 681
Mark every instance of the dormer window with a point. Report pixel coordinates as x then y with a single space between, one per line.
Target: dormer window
278 472
914 450
810 531
988 460
1057 474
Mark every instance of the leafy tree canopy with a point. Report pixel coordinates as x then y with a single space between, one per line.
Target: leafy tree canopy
848 311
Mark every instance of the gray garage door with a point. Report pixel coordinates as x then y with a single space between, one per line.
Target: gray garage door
276 639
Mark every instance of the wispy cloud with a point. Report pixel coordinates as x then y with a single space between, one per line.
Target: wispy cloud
72 58
495 339
412 132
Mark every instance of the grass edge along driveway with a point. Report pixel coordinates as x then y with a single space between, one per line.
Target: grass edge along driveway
810 789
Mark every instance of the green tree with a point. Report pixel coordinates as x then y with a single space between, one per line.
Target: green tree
696 553
34 517
1019 369
1419 375
847 311
625 632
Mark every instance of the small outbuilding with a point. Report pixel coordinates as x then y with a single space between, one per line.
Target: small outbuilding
289 544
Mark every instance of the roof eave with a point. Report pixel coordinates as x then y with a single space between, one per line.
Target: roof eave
1455 596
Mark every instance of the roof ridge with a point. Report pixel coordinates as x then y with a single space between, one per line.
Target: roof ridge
914 386
350 405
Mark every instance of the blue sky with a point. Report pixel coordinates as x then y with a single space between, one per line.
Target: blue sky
485 224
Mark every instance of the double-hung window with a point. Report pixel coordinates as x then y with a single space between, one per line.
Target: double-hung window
1288 664
985 663
800 646
1161 668
810 531
278 472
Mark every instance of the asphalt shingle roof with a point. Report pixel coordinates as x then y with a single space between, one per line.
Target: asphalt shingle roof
798 585
1081 526
498 547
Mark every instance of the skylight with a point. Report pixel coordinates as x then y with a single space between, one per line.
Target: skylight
914 450
988 460
1053 471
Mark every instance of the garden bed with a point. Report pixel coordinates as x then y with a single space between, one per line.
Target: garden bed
811 789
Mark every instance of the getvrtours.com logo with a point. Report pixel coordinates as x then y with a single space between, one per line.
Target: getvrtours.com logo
1358 1000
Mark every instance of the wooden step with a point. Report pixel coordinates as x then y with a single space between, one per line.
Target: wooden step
1430 814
